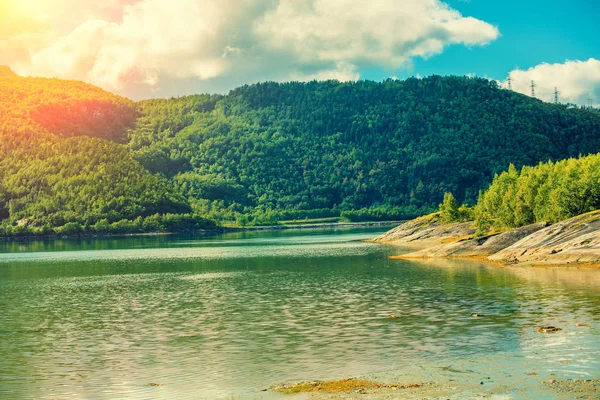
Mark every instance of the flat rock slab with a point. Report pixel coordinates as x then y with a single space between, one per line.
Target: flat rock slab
478 247
426 231
574 241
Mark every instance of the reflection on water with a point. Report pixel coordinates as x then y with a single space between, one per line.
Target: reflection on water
231 315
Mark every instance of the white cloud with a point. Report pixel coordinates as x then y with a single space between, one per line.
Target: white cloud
132 44
577 81
378 31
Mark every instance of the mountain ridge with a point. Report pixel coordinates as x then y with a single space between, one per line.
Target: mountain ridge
272 151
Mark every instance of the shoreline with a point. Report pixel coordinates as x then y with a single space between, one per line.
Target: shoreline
574 242
357 388
204 232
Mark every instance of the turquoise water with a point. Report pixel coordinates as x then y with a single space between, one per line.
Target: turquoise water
230 315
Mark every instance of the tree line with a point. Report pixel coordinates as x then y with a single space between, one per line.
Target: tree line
76 158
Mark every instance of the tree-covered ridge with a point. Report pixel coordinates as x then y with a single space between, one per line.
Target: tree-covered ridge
266 152
6 71
82 180
54 177
394 146
549 192
64 108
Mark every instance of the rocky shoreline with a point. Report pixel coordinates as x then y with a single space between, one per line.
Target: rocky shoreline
573 242
352 388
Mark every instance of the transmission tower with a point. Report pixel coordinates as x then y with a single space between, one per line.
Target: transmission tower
533 86
556 93
509 80
590 104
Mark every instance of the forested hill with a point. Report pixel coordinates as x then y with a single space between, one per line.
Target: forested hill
61 170
63 108
74 158
394 147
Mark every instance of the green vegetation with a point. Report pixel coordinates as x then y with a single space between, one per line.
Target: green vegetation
76 159
449 210
59 174
549 192
360 150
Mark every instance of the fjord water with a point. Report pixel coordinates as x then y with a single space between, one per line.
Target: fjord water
230 315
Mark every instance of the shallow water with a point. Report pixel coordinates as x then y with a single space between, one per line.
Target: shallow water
228 316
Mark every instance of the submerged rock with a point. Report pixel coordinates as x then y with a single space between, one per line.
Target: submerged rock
348 385
545 329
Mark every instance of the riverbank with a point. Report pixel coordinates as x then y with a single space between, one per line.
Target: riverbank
205 232
572 242
312 226
352 388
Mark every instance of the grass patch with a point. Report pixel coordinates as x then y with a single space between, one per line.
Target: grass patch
586 218
339 386
456 239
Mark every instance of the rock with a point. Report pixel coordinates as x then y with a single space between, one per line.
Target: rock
546 329
478 247
476 315
573 241
426 231
393 316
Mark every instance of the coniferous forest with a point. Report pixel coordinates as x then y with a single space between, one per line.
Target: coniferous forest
75 159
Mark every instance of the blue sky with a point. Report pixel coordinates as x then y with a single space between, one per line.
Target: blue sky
531 33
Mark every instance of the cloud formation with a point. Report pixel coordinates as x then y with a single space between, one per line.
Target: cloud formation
577 81
130 45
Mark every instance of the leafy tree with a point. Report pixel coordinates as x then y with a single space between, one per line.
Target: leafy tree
449 208
549 192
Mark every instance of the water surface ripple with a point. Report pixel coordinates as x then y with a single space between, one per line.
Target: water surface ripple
229 316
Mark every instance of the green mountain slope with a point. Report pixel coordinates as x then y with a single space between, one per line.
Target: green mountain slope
75 158
394 147
58 167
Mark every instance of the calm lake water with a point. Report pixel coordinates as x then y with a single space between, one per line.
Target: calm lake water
230 315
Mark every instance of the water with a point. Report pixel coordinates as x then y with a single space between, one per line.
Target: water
228 316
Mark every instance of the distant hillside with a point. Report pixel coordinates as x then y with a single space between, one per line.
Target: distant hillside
390 148
64 108
74 158
58 170
6 71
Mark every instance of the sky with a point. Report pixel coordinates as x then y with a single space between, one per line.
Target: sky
163 48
